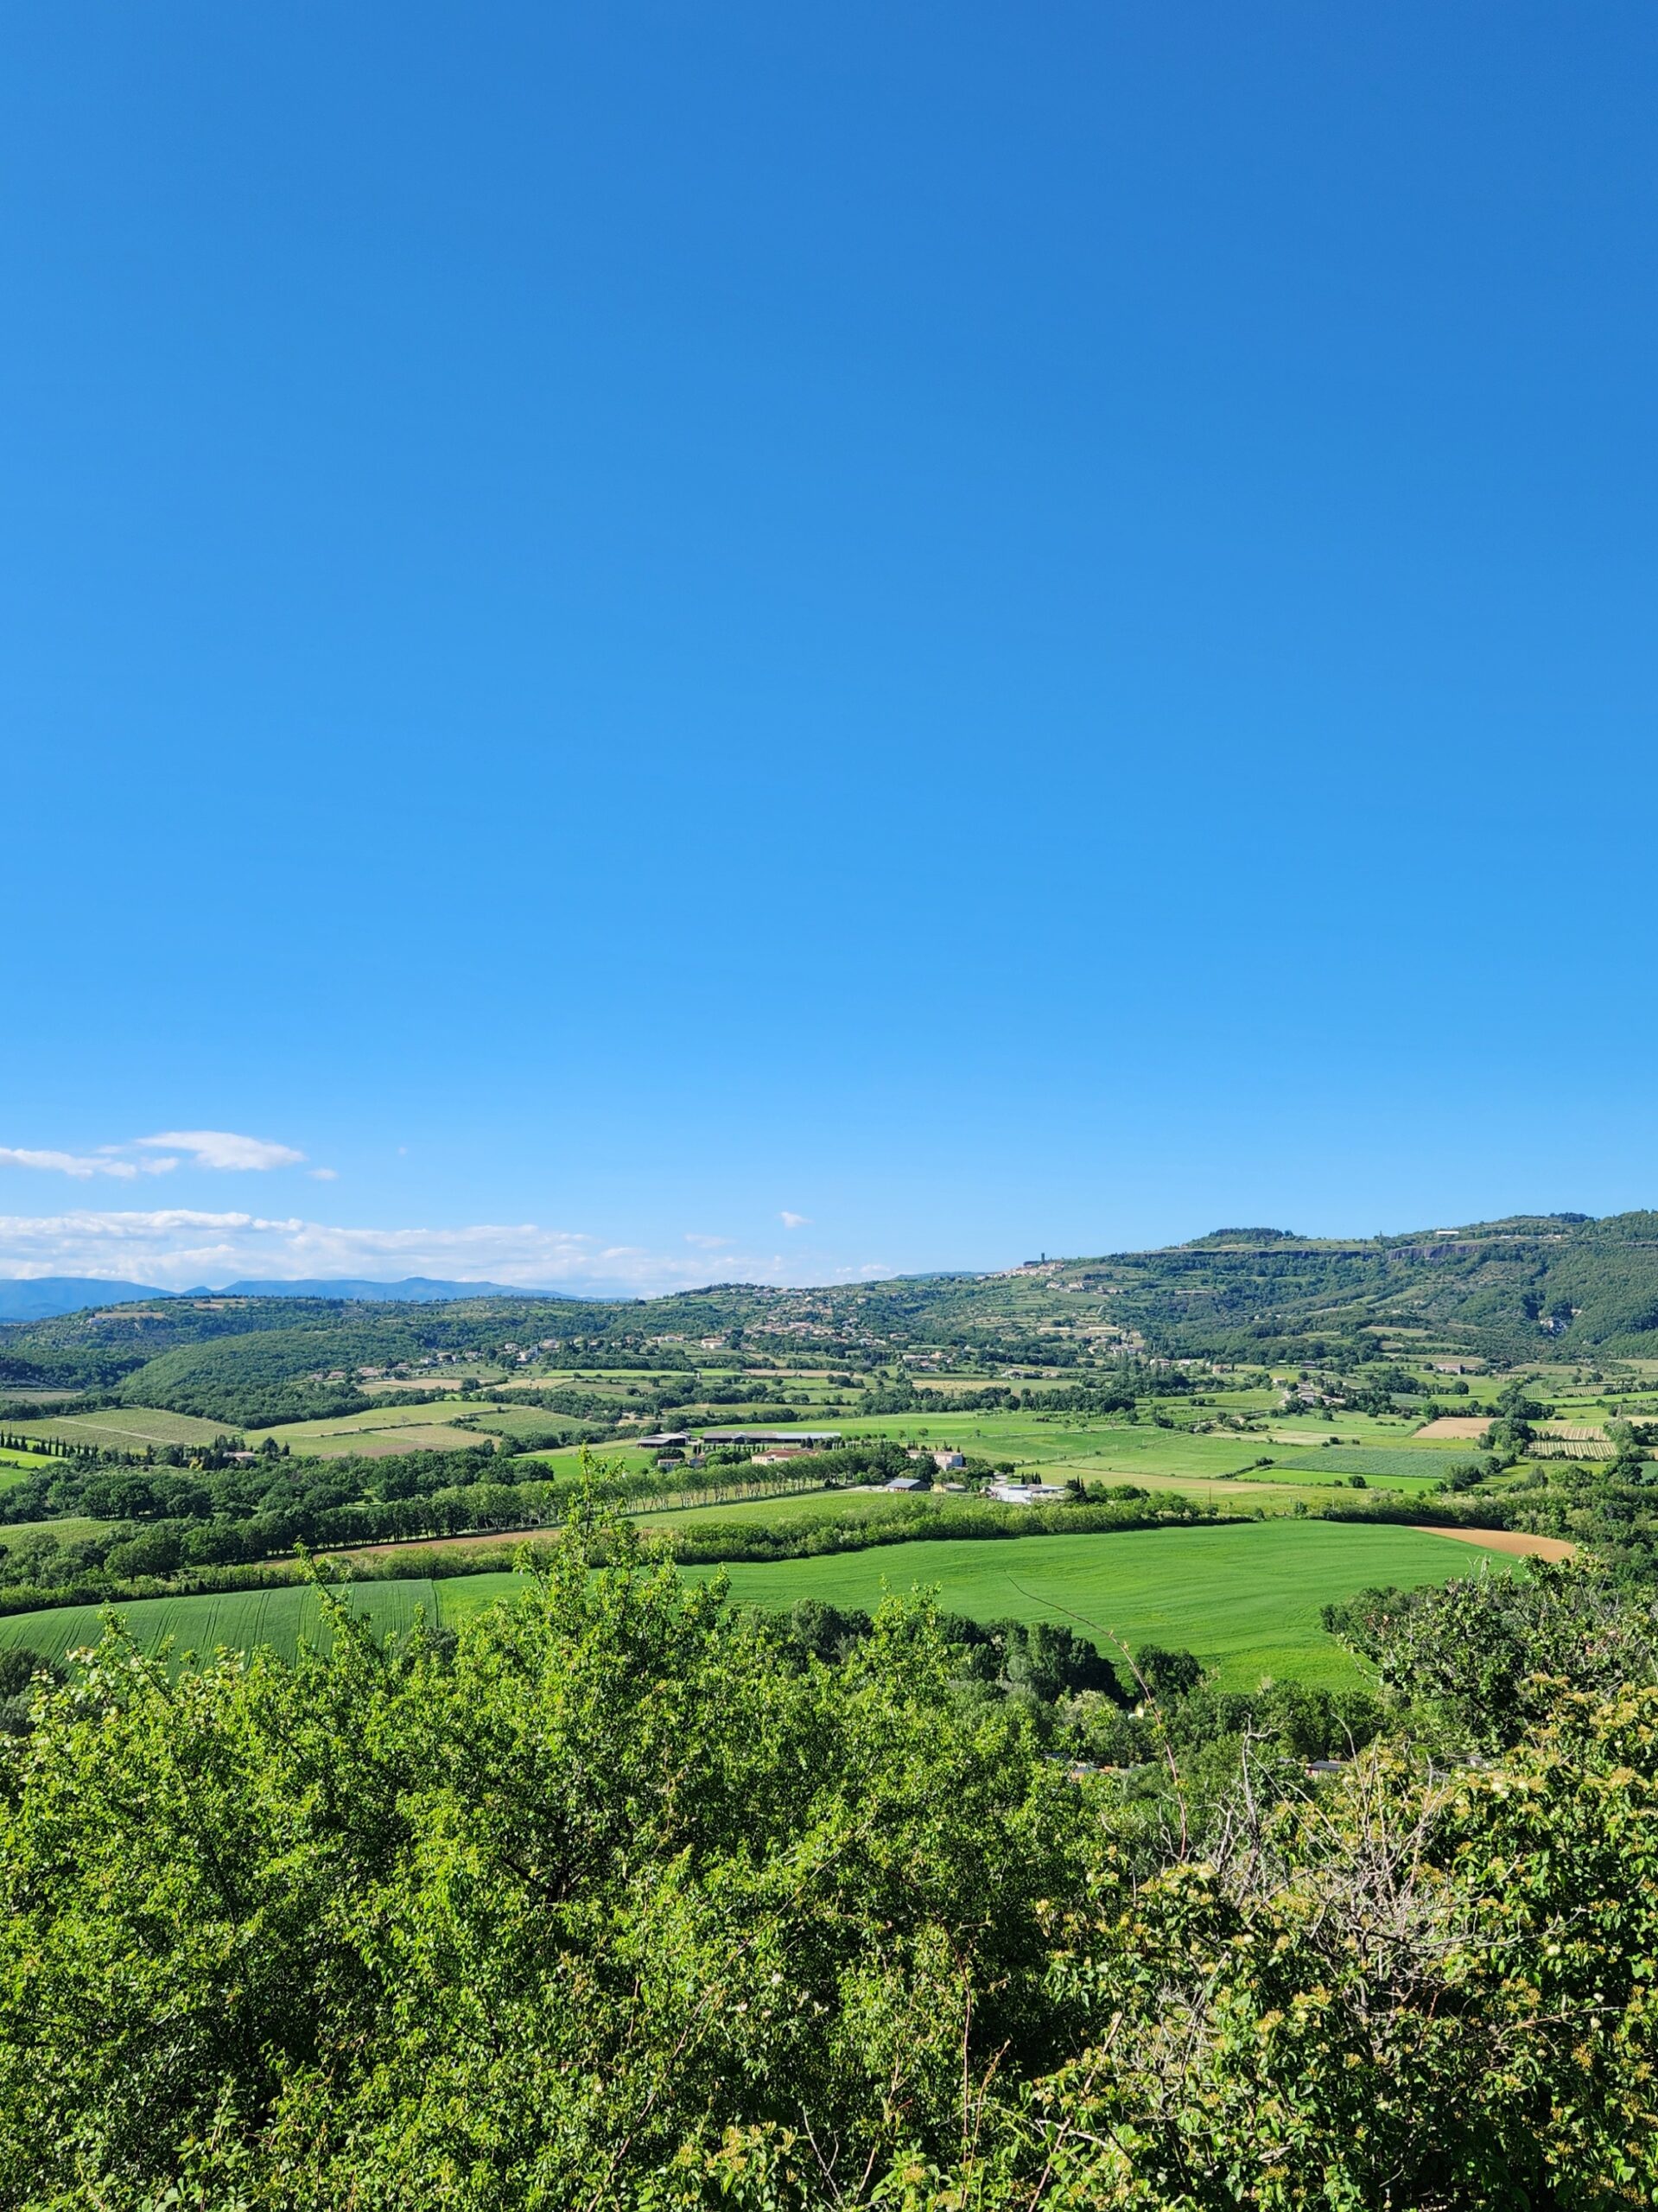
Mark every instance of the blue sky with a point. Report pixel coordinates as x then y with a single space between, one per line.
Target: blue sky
642 644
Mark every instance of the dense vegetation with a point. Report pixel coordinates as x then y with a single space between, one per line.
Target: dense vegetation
619 1896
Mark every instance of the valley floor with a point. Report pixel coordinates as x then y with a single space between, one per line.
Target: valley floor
1245 1598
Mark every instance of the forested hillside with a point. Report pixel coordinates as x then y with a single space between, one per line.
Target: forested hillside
1509 1290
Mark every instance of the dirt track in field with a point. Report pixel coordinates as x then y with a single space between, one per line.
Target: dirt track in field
1514 1541
503 1540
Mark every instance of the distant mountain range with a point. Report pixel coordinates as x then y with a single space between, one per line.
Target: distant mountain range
39 1298
413 1290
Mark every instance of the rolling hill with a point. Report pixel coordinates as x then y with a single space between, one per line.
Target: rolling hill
1511 1290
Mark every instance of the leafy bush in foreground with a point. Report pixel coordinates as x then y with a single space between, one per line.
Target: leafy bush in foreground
623 1899
1490 1653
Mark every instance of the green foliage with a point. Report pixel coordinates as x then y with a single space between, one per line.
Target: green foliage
968 1520
1419 1994
278 1374
528 1921
619 1896
1164 1673
1495 1652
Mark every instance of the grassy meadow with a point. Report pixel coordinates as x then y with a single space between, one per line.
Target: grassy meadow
1245 1598
125 1428
246 1620
378 1431
14 1465
377 1439
66 1528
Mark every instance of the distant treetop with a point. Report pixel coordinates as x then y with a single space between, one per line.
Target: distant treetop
1249 1236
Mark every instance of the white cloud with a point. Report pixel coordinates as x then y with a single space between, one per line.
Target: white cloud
69 1163
323 1174
706 1243
64 1163
795 1220
175 1247
223 1148
207 1149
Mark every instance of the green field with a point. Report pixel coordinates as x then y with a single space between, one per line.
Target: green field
522 1421
1166 1458
381 1443
127 1428
376 1417
377 1432
1350 1427
244 1620
1426 1462
14 1465
1245 1598
562 1462
1084 1446
396 1427
1051 1440
67 1528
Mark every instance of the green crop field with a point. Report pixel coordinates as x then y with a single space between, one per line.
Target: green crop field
443 1378
1084 1445
1316 1435
69 1528
1245 1598
522 1421
377 1417
126 1428
14 1465
381 1443
563 1462
243 1621
379 1426
377 1432
1166 1459
1052 1439
1426 1462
